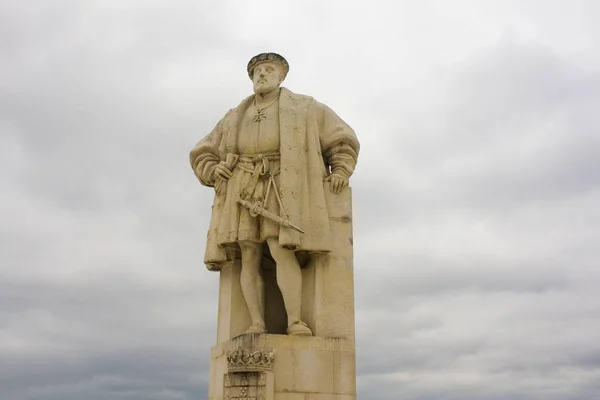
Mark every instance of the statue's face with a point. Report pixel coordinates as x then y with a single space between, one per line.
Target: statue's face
267 77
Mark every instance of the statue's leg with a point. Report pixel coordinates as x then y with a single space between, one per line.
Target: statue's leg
253 285
289 280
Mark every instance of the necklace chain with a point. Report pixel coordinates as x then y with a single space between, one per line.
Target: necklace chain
261 112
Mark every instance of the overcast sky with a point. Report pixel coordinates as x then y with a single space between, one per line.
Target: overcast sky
476 196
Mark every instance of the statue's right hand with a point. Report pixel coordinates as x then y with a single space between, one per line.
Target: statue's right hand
222 172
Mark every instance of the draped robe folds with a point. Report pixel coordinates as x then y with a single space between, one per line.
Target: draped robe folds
314 142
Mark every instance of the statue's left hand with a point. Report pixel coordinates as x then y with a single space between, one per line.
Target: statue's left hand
337 183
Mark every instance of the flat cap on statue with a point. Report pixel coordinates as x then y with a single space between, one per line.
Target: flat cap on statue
263 57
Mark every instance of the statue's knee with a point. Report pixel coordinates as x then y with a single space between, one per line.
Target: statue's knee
272 242
250 247
276 250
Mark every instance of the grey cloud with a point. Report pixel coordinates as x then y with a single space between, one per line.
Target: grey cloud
512 155
114 337
511 126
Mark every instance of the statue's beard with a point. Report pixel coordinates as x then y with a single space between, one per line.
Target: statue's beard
264 87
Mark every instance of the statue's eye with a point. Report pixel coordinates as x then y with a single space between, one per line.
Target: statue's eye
269 69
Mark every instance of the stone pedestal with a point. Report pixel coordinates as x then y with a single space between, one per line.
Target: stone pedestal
299 368
276 366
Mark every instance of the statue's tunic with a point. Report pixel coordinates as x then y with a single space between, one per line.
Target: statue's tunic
312 142
258 143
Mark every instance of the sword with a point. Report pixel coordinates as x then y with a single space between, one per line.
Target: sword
258 209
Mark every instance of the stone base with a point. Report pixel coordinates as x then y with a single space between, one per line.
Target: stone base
283 367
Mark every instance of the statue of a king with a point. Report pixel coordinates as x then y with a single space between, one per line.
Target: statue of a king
269 160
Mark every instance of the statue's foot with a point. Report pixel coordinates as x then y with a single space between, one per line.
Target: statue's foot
255 328
299 328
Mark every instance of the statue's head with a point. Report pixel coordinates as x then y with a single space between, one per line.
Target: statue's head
267 71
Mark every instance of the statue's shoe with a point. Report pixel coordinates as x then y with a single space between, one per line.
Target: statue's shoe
299 328
255 328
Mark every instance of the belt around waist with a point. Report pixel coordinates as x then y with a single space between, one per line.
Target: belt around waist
259 164
256 158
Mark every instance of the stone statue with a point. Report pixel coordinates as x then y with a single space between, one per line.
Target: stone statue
270 160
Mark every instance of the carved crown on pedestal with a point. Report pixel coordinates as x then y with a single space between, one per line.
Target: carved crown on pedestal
242 360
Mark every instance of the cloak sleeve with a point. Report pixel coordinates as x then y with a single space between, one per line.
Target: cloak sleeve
338 142
204 157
